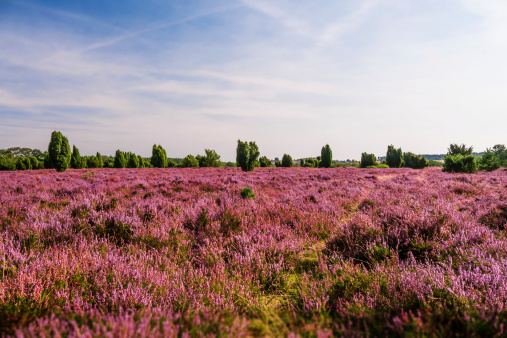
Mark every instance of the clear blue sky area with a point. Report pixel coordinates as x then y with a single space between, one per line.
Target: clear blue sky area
291 75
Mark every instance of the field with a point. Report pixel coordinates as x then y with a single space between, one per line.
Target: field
316 252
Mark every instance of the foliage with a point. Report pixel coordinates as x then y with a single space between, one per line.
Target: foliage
367 160
415 161
190 162
59 152
158 157
231 164
75 159
247 154
100 161
326 157
119 159
489 161
278 164
7 162
459 159
394 157
247 193
211 159
264 162
287 161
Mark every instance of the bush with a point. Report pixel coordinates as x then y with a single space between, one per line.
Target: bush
75 159
394 157
247 155
211 159
59 152
459 159
119 160
367 160
415 161
158 157
489 161
133 161
327 157
247 193
287 161
190 162
265 162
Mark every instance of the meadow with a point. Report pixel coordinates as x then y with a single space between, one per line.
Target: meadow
310 252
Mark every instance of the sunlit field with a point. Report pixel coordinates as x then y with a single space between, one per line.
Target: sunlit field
325 252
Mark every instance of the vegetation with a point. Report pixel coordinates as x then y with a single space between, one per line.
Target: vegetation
394 157
247 155
287 161
326 157
367 160
415 161
190 162
59 152
211 159
264 162
459 159
158 157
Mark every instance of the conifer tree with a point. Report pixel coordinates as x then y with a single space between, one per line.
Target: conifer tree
158 157
287 161
119 160
326 157
394 157
99 159
59 152
75 158
247 155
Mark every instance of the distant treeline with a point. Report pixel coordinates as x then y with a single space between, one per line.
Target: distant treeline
60 157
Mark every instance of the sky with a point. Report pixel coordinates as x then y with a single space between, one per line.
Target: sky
292 76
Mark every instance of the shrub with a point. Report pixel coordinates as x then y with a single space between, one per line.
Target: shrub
247 193
287 161
59 152
133 161
75 159
459 159
119 160
190 162
158 157
489 161
247 155
327 157
415 161
7 162
264 162
394 157
367 160
99 160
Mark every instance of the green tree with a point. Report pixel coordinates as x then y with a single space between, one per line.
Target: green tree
247 155
278 164
211 159
287 161
264 162
91 161
133 161
327 157
100 161
190 162
158 157
7 162
394 157
459 159
59 152
23 163
119 160
489 161
367 160
75 159
415 161
501 153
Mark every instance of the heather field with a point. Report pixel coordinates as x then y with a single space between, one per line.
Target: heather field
316 252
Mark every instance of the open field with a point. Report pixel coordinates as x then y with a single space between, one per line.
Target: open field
317 252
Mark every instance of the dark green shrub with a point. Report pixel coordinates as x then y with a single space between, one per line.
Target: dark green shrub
190 162
75 159
247 193
119 160
394 157
287 161
489 161
158 157
264 162
367 160
415 161
247 155
59 152
327 157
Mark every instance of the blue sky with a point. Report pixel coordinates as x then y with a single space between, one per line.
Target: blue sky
291 75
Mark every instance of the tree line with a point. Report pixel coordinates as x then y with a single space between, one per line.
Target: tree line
59 156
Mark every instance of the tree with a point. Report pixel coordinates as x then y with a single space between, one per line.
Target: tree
211 159
91 161
415 161
327 157
190 162
367 160
287 161
119 160
100 161
7 162
489 161
247 155
278 164
158 157
501 153
133 161
394 157
59 152
459 159
75 159
264 162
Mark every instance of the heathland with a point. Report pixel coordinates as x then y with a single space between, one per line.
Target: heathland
218 251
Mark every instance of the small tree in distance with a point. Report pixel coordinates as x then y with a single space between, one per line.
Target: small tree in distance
264 162
459 159
287 161
367 160
158 157
394 157
247 155
119 160
326 156
59 152
75 159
